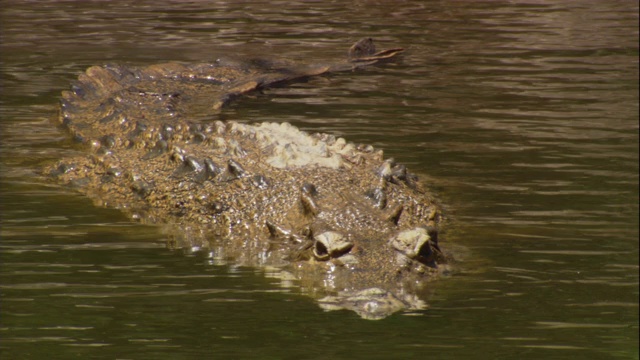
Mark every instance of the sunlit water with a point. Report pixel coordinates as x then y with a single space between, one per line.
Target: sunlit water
521 115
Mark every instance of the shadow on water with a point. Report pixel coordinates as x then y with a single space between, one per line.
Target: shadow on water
522 116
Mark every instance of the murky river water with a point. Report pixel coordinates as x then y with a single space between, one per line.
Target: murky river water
523 115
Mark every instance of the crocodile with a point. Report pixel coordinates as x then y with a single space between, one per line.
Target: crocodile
359 231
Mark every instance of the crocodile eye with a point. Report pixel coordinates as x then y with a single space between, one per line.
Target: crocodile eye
414 244
330 244
320 251
425 253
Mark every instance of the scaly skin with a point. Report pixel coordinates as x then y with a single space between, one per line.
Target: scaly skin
347 223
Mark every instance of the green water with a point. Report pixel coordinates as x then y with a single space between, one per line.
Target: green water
522 116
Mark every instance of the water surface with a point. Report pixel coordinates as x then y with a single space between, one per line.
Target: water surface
521 115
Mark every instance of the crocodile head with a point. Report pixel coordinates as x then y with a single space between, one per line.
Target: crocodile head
380 276
375 265
374 268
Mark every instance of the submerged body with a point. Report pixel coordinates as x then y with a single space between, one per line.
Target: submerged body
344 221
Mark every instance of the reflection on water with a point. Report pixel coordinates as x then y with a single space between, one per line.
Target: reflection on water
523 117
